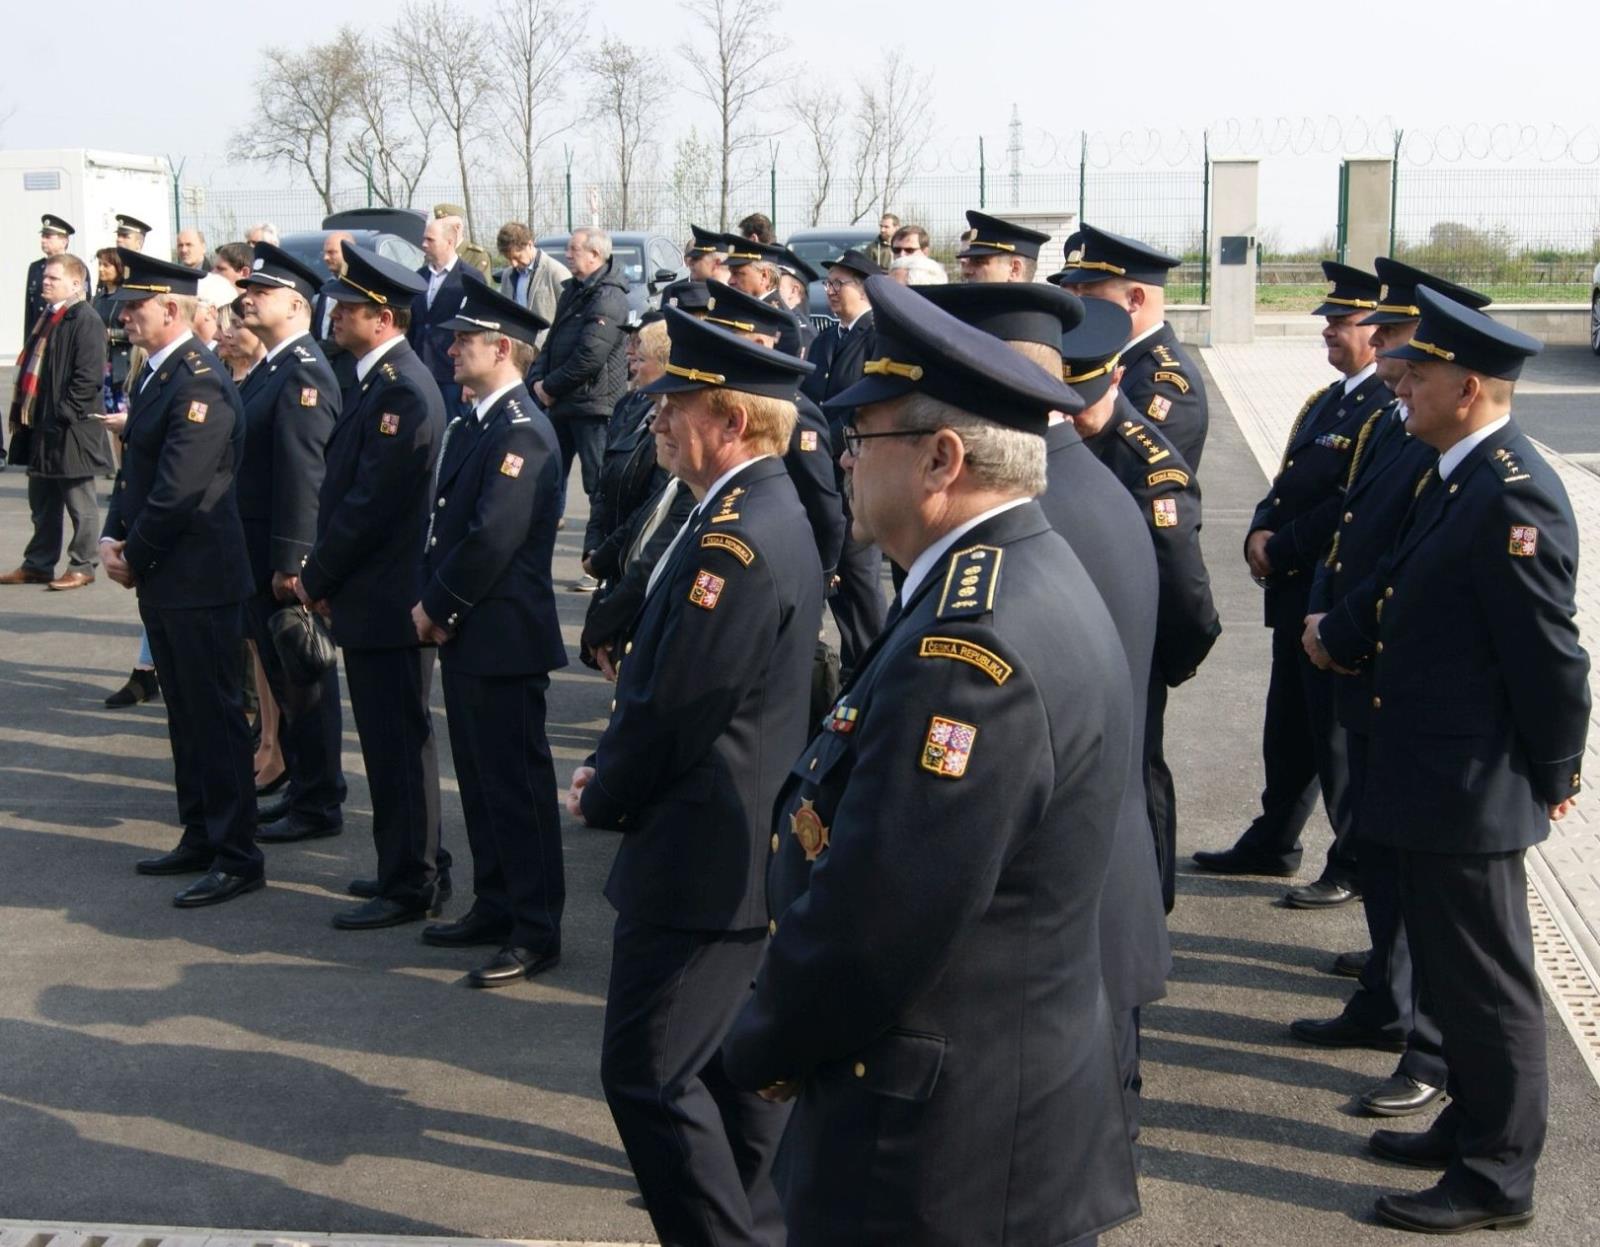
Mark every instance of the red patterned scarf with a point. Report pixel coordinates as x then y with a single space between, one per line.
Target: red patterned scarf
30 366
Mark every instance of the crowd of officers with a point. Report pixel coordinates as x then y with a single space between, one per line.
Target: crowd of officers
897 907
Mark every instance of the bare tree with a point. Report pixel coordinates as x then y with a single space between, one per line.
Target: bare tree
393 133
693 169
627 86
447 53
531 41
890 120
820 111
733 72
302 109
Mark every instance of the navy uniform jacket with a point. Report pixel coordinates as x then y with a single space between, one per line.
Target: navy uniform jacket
174 502
1167 497
628 475
431 344
937 987
811 467
1164 385
711 708
1086 505
838 357
491 536
795 338
1346 591
373 512
33 303
614 607
290 406
1302 504
1480 687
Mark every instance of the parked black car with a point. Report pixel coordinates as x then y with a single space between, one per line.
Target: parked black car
648 261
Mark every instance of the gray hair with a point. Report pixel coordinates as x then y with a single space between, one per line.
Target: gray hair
596 240
921 270
999 457
266 231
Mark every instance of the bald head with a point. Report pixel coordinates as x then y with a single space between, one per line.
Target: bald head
333 252
440 239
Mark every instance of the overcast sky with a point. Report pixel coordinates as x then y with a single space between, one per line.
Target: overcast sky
1106 68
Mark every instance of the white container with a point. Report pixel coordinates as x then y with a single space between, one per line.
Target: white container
89 189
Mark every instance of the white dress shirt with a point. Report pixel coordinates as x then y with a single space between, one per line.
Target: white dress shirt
1451 459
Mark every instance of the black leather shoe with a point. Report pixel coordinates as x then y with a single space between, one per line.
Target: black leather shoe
1323 894
380 911
1340 1032
272 811
289 829
216 887
1427 1150
1350 965
181 861
141 686
1399 1095
471 929
277 785
1438 1211
1237 861
512 965
367 888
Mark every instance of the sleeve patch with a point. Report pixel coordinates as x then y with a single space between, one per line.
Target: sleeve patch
1164 511
1524 541
511 465
1174 379
1158 408
730 543
196 413
970 584
986 661
389 424
1177 475
808 439
706 591
947 748
308 397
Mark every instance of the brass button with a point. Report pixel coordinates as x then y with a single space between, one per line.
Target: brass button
432 541
1377 703
1348 516
861 1070
775 842
1290 464
628 648
1338 567
1389 592
1277 502
1455 487
813 765
772 926
1380 647
613 703
441 502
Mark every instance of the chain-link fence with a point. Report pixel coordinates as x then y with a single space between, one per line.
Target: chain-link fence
1520 235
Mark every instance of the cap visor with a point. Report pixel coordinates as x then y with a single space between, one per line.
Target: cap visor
1079 276
1387 318
1340 309
669 384
1090 391
978 249
874 389
1407 352
341 293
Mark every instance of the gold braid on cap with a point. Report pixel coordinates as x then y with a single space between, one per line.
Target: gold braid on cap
694 374
1101 371
891 368
1438 352
1101 265
1371 303
377 298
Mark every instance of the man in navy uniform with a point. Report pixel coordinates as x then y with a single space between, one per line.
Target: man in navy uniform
932 993
172 531
447 282
1302 744
291 401
53 235
1480 694
365 572
706 257
489 606
1388 463
1160 379
131 232
755 267
1087 505
712 705
999 251
1167 500
839 354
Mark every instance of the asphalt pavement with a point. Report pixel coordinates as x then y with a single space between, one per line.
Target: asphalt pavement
1558 400
249 1066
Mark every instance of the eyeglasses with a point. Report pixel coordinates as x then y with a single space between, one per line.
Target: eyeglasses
853 437
912 250
837 283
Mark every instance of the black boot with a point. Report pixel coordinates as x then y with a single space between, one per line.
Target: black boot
141 686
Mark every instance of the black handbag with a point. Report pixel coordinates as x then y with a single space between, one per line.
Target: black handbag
304 644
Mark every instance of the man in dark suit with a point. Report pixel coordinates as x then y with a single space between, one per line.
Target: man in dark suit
839 354
58 429
1086 504
1167 498
489 606
173 532
954 1076
1302 744
712 703
445 278
1160 379
291 403
1388 463
1481 709
365 572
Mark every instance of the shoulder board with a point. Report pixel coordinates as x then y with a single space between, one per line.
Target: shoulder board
1137 436
971 583
518 416
388 371
303 355
1167 376
1165 356
1176 475
196 363
725 512
730 543
1505 462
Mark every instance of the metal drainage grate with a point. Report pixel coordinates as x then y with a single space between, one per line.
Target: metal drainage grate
1567 980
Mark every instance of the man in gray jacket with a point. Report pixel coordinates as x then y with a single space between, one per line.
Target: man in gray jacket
532 277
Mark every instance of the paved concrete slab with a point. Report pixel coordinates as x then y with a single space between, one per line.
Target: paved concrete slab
250 1067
